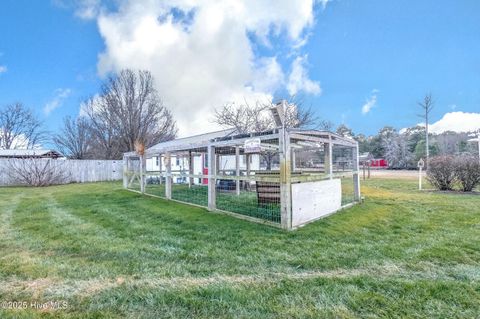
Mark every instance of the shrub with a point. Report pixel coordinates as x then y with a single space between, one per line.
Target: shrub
37 172
467 172
441 172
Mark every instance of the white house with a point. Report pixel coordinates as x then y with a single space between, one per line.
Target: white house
200 167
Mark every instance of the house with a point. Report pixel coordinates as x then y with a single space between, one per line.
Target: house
31 153
179 164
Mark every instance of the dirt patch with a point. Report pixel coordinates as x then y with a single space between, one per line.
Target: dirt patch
393 174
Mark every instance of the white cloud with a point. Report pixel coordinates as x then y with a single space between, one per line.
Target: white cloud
268 75
200 52
60 96
88 9
298 79
3 69
84 9
457 122
371 102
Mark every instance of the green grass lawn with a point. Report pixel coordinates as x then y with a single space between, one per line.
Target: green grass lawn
112 253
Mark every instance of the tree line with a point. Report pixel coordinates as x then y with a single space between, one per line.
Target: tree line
129 110
404 149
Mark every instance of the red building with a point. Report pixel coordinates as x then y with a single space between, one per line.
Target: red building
379 163
368 159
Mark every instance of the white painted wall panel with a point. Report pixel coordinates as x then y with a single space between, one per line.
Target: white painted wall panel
313 200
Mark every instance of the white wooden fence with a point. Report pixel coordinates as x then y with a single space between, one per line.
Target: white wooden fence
79 171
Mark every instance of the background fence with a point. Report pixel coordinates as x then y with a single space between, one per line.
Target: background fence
78 171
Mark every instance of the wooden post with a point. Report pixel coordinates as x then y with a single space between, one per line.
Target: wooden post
237 169
420 178
168 178
294 160
285 179
125 171
212 169
190 168
356 175
142 173
217 164
328 149
247 159
160 168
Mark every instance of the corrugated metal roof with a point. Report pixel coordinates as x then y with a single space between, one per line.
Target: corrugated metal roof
223 137
30 152
190 140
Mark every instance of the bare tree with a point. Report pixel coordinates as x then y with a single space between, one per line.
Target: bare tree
19 128
257 118
128 110
325 125
426 105
33 171
74 139
105 141
245 117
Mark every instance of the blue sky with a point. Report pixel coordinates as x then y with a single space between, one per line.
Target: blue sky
53 54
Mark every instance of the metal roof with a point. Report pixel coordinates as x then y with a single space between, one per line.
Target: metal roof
186 142
29 153
230 137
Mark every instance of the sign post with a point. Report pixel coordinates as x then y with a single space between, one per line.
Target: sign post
420 165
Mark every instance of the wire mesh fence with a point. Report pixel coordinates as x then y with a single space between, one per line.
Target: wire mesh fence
155 184
249 182
193 194
249 186
348 194
255 198
342 159
133 176
309 157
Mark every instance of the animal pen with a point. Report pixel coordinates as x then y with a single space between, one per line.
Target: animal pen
282 177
